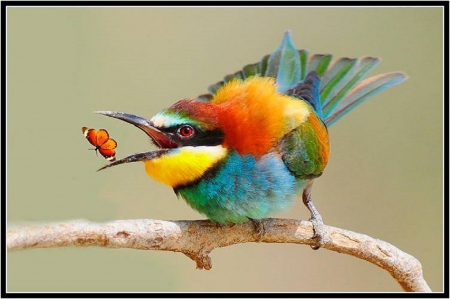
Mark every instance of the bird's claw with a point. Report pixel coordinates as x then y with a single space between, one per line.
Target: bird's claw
259 229
316 219
319 232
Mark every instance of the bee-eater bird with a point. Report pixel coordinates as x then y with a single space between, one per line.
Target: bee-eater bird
259 139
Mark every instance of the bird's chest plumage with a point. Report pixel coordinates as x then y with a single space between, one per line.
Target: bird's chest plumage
243 187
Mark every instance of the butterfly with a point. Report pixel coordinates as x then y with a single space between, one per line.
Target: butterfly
103 144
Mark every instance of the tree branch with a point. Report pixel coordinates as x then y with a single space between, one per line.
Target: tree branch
197 239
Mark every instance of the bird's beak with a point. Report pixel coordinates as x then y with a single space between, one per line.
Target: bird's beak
161 139
137 157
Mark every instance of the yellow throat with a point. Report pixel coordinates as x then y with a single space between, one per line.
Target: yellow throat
184 165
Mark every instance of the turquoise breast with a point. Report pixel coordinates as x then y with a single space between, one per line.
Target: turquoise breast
241 187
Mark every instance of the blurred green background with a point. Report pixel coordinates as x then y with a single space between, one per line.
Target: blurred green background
384 178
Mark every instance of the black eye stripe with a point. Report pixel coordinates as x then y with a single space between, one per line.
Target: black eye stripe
198 138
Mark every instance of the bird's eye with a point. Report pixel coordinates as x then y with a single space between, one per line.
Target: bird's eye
186 131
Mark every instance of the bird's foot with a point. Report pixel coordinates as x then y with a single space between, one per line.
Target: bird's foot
316 219
259 229
319 231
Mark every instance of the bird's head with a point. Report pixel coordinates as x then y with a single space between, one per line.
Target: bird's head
188 138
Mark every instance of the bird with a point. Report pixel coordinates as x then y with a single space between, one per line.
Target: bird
258 140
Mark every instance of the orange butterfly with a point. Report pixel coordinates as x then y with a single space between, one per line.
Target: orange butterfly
100 139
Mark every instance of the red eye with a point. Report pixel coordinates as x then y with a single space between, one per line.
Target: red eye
186 131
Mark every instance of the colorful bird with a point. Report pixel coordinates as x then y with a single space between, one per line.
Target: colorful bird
259 139
103 144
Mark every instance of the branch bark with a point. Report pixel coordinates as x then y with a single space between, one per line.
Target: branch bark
196 239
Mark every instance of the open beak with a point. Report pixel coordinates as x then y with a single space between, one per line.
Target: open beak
161 139
136 158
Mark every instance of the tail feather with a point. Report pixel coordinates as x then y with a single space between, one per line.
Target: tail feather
334 78
303 55
319 63
285 64
342 84
364 90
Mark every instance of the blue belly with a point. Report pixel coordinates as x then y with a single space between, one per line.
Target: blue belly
242 187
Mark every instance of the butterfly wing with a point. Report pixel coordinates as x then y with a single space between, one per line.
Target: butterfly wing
107 149
91 136
102 137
